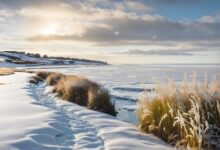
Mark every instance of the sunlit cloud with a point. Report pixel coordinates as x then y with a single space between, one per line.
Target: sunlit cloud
107 25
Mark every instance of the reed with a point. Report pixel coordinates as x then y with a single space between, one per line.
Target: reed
186 115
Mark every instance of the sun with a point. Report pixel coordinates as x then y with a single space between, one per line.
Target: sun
51 29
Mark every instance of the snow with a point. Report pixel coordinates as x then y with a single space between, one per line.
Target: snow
39 61
21 56
32 118
2 58
19 116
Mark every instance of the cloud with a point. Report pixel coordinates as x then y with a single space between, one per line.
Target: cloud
18 4
112 23
145 28
158 52
138 6
6 13
189 49
174 2
2 20
105 23
207 19
210 19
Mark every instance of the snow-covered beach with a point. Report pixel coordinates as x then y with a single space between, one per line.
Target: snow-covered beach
109 74
32 118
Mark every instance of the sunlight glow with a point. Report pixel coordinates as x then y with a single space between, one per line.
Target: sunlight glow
51 29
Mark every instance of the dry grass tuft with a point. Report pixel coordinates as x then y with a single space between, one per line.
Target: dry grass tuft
186 115
6 71
100 100
53 78
79 90
73 89
43 74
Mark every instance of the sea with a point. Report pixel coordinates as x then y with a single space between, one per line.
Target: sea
129 83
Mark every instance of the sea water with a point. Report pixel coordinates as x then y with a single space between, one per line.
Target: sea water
128 83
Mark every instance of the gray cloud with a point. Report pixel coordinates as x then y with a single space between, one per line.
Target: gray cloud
194 50
145 28
18 4
178 2
158 52
104 24
130 27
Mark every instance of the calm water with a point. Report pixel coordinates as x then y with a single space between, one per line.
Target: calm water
127 82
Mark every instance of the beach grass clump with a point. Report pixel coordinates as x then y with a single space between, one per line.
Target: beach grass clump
81 91
186 115
74 89
100 100
43 74
53 78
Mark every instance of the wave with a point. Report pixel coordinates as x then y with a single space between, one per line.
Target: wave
124 98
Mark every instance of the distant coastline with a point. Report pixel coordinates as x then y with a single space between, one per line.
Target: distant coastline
35 59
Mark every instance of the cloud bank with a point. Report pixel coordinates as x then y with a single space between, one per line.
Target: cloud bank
113 23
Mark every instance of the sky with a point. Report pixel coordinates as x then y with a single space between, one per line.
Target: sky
116 31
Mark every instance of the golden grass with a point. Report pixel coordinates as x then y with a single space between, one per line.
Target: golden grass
43 74
6 71
100 100
53 78
186 115
79 90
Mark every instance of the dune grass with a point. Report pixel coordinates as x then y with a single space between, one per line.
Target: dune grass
100 100
74 89
6 71
43 74
185 115
53 78
79 90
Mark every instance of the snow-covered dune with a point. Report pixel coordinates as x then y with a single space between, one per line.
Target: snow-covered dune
21 59
33 119
21 120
